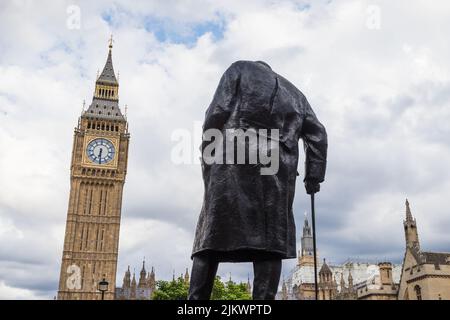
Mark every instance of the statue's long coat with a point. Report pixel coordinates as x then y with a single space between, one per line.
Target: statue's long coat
246 215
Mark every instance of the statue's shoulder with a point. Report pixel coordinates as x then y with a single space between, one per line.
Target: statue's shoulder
249 65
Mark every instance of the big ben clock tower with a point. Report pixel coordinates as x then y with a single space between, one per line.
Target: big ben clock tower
98 170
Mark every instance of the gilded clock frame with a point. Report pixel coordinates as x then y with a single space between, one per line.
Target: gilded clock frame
85 161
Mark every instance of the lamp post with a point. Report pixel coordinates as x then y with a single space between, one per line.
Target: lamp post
102 287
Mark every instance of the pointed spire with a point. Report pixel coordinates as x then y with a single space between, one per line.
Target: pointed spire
108 76
409 216
152 273
306 227
249 286
186 276
111 40
127 278
284 291
142 276
133 281
350 281
411 234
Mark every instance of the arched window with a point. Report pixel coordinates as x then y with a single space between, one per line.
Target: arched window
418 291
89 125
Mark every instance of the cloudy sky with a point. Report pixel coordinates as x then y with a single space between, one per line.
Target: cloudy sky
375 72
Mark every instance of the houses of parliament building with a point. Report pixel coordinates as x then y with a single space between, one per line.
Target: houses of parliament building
97 176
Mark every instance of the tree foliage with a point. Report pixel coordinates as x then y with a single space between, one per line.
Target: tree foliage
171 290
178 290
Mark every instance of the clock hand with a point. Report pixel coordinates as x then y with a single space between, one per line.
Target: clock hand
100 156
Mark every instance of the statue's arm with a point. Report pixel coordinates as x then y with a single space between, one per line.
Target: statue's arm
224 99
315 144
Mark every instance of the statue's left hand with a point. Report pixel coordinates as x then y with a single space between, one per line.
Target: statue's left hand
312 186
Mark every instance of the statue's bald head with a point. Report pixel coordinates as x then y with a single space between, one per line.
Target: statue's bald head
264 64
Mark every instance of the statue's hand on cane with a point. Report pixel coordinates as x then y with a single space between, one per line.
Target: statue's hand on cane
312 186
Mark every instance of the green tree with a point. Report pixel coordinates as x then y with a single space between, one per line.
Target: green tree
229 291
171 290
178 290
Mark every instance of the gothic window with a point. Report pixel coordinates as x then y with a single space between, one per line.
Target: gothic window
88 202
106 202
103 125
100 203
418 291
81 237
101 239
82 276
86 240
89 125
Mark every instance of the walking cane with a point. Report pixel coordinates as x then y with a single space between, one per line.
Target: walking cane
313 217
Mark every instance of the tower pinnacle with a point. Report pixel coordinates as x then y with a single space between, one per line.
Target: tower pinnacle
411 234
409 216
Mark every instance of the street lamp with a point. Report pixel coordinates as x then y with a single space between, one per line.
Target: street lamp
102 287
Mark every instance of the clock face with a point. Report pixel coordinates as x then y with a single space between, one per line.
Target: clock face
100 151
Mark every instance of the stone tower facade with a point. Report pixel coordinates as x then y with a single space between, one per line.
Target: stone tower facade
327 283
306 256
98 170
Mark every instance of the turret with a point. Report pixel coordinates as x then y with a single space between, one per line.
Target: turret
385 273
142 276
127 279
